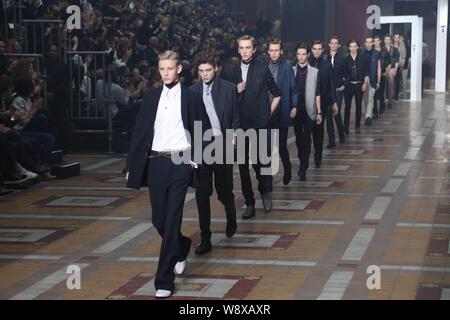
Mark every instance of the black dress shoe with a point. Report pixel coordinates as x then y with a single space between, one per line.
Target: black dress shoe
249 213
358 130
342 140
346 131
302 175
231 228
317 161
368 122
331 145
203 248
375 116
287 178
267 202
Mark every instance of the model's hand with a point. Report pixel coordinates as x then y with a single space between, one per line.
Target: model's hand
335 109
365 87
241 87
294 113
340 89
319 119
127 176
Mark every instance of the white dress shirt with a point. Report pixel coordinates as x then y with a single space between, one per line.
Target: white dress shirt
244 68
210 109
170 135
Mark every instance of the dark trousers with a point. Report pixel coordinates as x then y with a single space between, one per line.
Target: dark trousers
380 100
46 142
398 79
353 90
318 132
223 181
19 151
59 122
264 181
168 185
6 159
337 118
283 147
303 127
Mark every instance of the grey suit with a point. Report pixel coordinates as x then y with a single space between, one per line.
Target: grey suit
312 87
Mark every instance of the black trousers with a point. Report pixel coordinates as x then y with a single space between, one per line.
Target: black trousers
264 181
168 185
337 118
6 159
283 149
223 182
303 127
380 100
398 79
353 90
319 130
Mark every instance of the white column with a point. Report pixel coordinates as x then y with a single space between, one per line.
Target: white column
416 59
441 45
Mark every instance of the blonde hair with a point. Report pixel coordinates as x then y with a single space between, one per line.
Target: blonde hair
169 55
247 37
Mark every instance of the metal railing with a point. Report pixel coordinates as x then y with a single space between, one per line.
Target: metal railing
39 34
90 93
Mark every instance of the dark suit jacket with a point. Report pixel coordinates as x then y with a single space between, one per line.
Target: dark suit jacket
326 79
142 140
338 68
224 95
289 95
254 102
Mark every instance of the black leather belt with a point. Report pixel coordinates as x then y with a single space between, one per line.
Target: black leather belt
156 154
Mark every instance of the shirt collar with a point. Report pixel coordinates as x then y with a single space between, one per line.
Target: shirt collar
303 66
172 92
206 86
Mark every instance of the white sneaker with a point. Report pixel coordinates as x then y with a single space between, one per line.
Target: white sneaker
180 267
161 294
30 175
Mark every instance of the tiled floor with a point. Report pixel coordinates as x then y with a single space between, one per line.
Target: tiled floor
380 203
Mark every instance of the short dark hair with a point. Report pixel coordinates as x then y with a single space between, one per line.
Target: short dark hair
275 41
302 45
377 37
397 33
353 41
387 36
207 58
369 37
316 42
335 37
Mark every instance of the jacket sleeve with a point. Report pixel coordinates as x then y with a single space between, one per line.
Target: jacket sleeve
138 128
293 89
332 83
234 101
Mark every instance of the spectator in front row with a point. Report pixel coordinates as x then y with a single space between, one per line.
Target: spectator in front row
32 124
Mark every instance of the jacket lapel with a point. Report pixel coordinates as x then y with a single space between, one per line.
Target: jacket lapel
154 106
185 106
218 106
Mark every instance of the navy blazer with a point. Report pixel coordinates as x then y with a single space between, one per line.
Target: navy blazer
224 95
254 102
289 95
142 140
338 69
326 78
